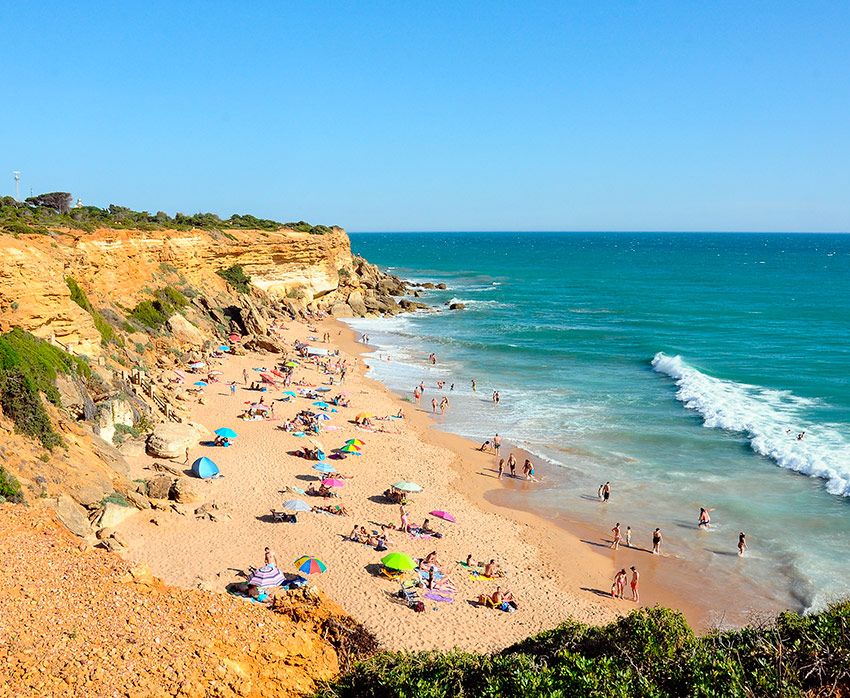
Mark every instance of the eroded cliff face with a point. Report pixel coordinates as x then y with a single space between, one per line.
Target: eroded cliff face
121 267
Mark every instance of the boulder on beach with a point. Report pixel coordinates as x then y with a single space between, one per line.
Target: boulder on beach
171 440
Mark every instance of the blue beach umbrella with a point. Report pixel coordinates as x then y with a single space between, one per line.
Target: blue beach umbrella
224 347
205 468
201 384
321 404
289 392
226 433
324 468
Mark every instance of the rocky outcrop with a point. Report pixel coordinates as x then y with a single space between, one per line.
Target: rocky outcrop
171 440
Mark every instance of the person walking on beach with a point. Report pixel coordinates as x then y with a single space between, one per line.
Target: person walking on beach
615 544
497 443
512 464
473 385
232 388
416 394
501 467
742 543
628 536
634 584
704 518
245 376
656 541
444 405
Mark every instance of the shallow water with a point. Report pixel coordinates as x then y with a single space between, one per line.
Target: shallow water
680 367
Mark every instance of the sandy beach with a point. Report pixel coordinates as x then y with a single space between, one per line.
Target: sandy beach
553 574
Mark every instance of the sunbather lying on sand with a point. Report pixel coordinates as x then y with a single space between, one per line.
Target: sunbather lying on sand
429 561
331 509
496 599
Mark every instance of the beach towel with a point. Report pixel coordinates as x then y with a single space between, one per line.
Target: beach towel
477 576
299 434
436 596
437 575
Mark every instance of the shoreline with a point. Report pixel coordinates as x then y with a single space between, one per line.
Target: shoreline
667 579
552 571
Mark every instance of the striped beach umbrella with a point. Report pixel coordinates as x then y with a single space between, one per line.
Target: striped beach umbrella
355 442
310 565
296 505
267 576
350 448
323 417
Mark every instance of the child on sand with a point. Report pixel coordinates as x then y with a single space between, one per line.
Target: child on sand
619 585
634 584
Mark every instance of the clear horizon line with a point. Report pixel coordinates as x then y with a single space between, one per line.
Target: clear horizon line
618 231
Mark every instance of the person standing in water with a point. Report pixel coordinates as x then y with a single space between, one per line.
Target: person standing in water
629 536
473 385
634 584
704 518
656 541
512 464
605 491
497 443
434 405
742 543
615 544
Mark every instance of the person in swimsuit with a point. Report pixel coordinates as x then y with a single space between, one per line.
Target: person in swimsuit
619 585
270 557
497 443
634 584
405 519
704 518
656 541
501 467
606 491
742 543
512 464
629 536
617 537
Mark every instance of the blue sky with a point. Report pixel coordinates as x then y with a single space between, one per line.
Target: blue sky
438 116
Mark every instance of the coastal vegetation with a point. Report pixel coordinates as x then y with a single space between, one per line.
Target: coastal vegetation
154 313
39 214
79 297
28 369
10 488
236 277
652 652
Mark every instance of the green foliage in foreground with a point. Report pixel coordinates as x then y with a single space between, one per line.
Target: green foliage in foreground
107 334
236 277
10 488
154 313
28 368
40 213
651 653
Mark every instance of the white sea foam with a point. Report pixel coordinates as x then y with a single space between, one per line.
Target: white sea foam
765 416
472 303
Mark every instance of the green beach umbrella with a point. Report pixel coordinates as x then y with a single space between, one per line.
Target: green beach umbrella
407 487
398 561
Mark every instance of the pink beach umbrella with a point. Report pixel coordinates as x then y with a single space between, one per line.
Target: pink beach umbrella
444 515
332 482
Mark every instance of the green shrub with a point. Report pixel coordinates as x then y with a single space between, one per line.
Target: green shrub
10 488
651 652
115 498
236 277
107 334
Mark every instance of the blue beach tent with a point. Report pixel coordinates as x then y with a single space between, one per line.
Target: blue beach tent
204 468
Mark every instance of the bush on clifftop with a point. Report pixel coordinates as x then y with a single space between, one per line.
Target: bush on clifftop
651 652
107 334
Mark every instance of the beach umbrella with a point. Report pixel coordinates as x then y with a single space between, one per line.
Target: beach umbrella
324 468
259 406
398 561
444 515
223 347
298 490
215 373
291 364
318 444
310 565
323 389
226 433
197 364
296 505
291 393
333 482
180 373
363 415
405 486
267 576
200 384
350 448
234 337
321 404
356 442
323 417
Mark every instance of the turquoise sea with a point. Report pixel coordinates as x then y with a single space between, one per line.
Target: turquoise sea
681 367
